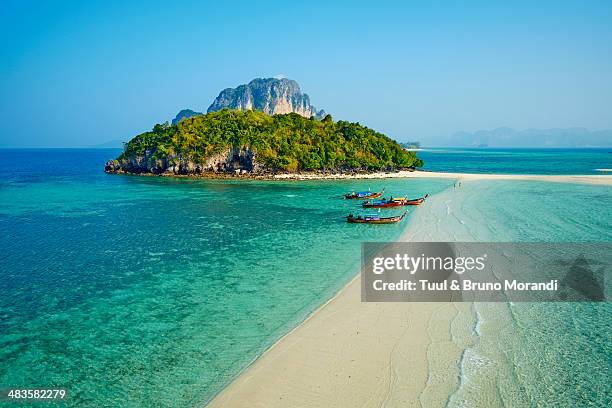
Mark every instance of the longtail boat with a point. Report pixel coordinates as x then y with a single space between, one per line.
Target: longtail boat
363 195
394 202
374 219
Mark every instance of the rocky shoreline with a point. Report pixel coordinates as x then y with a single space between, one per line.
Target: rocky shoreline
246 175
357 175
231 163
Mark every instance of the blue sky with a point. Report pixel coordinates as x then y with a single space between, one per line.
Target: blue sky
83 73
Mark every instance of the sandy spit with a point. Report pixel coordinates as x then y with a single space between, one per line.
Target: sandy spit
587 179
353 354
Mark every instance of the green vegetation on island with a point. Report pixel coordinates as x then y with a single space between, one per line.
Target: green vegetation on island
252 141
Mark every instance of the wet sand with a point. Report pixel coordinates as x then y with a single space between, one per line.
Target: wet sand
354 354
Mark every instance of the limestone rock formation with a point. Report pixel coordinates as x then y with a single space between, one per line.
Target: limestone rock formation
269 95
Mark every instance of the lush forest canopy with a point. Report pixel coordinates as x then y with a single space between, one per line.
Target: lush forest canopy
287 142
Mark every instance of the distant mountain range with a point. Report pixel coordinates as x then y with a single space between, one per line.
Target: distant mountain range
508 137
269 95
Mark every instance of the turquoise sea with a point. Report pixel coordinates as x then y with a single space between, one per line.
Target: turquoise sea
143 291
527 354
518 160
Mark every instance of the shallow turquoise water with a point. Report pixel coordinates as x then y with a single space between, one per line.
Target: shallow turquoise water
528 354
135 291
518 161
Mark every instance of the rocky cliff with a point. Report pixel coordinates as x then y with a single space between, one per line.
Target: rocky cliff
239 160
185 113
269 95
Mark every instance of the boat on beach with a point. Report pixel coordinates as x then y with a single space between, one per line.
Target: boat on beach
363 195
374 219
394 202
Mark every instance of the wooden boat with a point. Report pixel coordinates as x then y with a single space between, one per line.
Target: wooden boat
374 219
363 195
394 202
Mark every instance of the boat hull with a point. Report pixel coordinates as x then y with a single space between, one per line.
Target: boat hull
365 197
366 220
416 201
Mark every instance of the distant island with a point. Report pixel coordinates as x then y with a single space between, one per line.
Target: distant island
253 143
411 145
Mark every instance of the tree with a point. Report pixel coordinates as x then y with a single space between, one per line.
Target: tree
281 142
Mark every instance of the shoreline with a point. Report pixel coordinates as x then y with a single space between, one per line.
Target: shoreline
600 179
576 178
351 353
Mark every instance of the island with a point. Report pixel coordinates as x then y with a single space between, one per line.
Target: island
231 142
263 129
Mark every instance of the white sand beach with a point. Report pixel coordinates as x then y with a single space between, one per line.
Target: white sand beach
354 354
587 179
